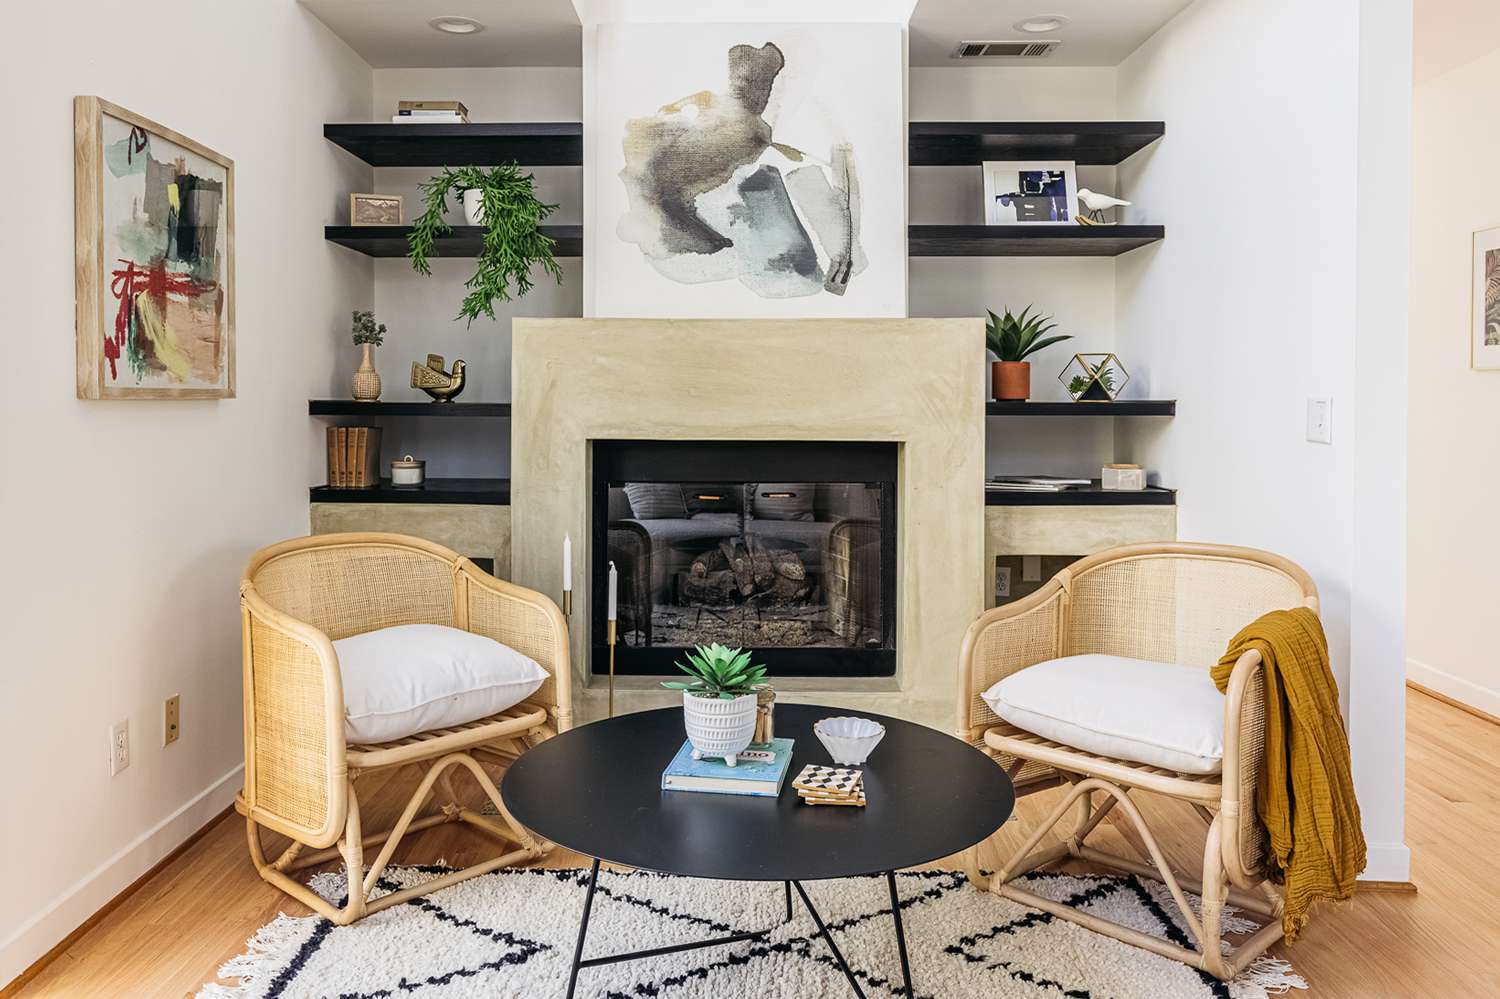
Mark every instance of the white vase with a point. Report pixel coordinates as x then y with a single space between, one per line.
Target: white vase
717 727
474 207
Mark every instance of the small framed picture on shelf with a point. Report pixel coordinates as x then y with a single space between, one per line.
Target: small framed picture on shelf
1484 350
1030 192
375 209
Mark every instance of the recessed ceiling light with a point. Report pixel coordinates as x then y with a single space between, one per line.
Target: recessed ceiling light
1041 23
455 25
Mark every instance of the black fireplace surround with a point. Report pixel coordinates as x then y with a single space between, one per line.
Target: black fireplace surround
785 548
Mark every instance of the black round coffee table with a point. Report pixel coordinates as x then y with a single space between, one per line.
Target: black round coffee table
597 790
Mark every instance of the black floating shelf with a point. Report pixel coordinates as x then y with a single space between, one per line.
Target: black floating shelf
450 410
1029 240
1122 407
1085 496
530 143
463 241
1087 143
480 492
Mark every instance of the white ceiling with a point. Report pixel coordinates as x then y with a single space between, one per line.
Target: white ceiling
394 33
1448 33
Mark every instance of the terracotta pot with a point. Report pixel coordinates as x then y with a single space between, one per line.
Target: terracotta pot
1012 379
366 382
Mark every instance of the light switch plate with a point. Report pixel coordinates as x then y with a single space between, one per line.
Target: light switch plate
1320 420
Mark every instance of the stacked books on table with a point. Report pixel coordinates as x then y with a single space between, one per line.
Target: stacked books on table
759 771
831 786
353 457
1032 484
431 113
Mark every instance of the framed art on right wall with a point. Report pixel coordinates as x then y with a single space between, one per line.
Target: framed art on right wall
1484 350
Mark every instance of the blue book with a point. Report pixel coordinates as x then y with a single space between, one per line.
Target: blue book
759 771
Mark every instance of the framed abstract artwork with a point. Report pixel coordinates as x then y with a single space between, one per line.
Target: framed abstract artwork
154 259
748 171
1484 349
1020 192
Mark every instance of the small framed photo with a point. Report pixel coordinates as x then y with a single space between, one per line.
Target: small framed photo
1484 350
1030 192
375 209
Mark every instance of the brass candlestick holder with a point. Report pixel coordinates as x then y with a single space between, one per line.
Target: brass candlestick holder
609 639
567 603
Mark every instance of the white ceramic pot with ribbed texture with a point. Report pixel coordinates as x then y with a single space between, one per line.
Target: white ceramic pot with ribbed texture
717 727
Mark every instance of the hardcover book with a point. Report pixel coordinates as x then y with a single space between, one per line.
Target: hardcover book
759 771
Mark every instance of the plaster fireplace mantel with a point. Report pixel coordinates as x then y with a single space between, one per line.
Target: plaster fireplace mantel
910 382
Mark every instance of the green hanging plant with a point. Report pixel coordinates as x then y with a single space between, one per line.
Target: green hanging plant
513 242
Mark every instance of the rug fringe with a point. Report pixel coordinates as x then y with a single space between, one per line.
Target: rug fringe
266 955
1266 976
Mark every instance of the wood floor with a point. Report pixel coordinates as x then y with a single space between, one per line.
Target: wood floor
1444 941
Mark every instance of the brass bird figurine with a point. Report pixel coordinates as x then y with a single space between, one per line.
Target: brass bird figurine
432 379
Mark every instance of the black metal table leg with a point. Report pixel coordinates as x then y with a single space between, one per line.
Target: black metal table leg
583 928
828 939
788 886
890 879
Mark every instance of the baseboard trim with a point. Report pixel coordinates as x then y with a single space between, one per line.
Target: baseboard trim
1393 887
1438 695
38 942
1482 702
1386 864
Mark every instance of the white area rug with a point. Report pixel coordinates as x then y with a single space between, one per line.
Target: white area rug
511 934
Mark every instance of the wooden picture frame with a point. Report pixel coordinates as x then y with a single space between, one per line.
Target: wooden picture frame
376 209
127 344
1484 332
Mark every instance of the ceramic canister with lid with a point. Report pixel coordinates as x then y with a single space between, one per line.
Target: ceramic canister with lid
408 471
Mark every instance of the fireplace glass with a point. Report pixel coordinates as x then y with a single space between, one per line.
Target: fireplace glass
783 548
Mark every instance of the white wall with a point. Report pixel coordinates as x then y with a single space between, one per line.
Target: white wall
1453 475
128 523
1278 126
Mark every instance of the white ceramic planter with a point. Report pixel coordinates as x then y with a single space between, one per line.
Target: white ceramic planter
474 207
717 727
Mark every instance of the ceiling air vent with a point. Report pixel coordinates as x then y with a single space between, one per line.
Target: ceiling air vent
1012 50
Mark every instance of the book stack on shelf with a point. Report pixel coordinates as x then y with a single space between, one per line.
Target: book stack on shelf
1032 484
353 457
758 771
431 113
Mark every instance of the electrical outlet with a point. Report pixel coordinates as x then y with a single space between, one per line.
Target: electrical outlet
1320 420
119 746
171 720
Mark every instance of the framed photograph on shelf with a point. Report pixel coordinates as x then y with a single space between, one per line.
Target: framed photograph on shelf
1030 192
153 259
375 209
1484 350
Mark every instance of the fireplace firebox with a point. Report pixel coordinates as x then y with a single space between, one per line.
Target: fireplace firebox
785 548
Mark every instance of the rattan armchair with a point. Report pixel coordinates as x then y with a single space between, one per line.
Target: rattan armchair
298 597
1176 603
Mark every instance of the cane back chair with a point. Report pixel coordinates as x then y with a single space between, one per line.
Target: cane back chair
296 599
1174 603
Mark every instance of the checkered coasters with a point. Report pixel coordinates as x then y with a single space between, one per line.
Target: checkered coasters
830 786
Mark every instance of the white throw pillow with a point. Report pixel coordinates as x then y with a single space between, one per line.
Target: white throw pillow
1162 714
417 677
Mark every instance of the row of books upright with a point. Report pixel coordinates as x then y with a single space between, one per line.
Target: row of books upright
353 457
431 113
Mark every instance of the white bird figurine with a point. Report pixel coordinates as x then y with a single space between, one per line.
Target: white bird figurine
1097 203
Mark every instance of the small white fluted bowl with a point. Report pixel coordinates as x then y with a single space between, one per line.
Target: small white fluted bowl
850 741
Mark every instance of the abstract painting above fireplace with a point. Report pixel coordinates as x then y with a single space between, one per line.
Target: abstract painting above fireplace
787 548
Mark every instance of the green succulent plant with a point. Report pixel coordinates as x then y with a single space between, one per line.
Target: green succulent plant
719 672
1106 379
1014 338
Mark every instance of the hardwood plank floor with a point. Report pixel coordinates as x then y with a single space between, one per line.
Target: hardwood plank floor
1444 941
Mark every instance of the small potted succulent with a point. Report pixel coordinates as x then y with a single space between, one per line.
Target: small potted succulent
1013 339
367 334
719 702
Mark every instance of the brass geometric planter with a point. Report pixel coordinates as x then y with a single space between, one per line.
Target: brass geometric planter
1094 377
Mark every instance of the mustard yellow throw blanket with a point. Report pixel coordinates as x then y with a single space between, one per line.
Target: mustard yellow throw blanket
1306 794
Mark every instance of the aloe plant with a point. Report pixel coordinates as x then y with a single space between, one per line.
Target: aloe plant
719 672
1014 338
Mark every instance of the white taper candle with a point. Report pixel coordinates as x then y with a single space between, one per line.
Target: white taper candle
614 587
567 561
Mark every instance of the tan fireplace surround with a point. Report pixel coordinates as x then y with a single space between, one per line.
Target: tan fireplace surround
914 382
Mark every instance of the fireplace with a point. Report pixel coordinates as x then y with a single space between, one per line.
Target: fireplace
786 548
